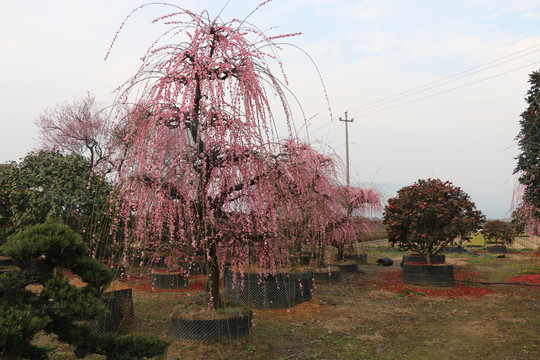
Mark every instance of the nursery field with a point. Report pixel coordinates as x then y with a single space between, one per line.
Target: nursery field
372 315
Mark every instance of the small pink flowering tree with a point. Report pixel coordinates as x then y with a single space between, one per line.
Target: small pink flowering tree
352 206
203 175
321 212
83 127
308 183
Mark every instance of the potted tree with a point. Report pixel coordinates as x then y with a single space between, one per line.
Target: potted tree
350 222
457 246
426 217
203 152
499 233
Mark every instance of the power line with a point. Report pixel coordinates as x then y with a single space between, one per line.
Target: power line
443 81
320 128
424 88
359 113
333 127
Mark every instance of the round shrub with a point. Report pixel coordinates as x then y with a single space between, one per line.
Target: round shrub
498 231
428 215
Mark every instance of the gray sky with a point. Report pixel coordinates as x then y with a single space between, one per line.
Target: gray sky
435 87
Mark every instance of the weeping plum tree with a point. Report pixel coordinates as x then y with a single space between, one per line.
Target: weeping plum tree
522 219
524 214
300 219
204 174
320 212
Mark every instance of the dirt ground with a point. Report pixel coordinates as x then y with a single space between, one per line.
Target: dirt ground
372 315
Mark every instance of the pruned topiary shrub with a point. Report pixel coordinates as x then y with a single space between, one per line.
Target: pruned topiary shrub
498 232
428 215
59 307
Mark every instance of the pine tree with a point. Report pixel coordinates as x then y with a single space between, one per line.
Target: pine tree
59 307
528 165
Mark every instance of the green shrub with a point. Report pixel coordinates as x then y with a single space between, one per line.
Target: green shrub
59 307
498 231
428 215
50 184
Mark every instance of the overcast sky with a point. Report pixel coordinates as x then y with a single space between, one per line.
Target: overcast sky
435 87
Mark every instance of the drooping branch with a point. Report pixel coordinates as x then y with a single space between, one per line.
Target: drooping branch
218 201
201 173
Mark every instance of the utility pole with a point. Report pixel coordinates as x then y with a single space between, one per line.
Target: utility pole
347 121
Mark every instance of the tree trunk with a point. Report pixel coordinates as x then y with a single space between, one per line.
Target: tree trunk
429 256
214 285
340 252
214 279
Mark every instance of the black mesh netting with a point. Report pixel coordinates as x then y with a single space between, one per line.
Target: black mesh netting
427 275
437 258
270 292
210 330
347 266
333 275
120 305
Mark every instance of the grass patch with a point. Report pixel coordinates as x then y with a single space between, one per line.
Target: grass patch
483 260
477 240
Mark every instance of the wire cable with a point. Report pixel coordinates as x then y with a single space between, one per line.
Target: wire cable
443 81
361 114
